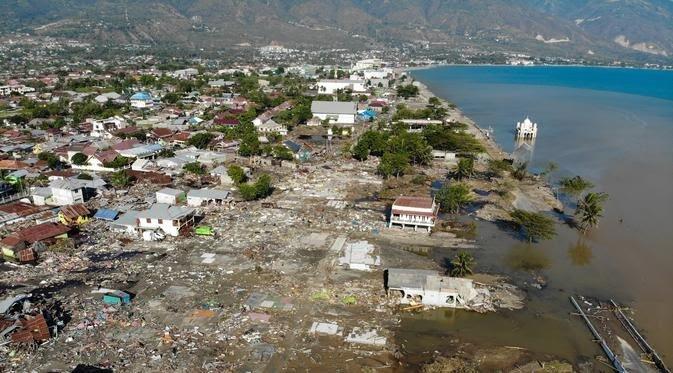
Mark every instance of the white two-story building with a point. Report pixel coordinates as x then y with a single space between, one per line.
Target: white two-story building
415 212
335 112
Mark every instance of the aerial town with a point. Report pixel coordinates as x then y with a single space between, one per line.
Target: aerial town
258 217
239 219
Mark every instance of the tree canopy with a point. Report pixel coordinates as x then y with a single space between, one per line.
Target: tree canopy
535 226
452 198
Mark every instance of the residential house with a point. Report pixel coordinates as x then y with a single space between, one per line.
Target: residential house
201 197
141 100
417 125
15 212
63 192
106 128
415 212
74 215
45 232
415 286
335 112
161 134
172 220
331 86
185 73
271 126
109 96
170 196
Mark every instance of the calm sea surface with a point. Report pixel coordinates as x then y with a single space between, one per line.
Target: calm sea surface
611 126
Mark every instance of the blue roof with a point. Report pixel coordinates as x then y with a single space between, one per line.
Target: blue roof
141 96
368 113
106 214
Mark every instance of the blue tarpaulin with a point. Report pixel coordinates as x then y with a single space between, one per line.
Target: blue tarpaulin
106 214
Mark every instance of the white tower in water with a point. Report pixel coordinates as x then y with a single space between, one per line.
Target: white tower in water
526 129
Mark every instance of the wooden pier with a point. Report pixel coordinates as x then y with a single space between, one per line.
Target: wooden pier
618 336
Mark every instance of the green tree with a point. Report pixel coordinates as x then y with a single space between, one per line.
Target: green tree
465 168
248 192
195 168
281 152
452 198
590 210
171 98
461 264
360 151
535 226
79 159
250 145
118 162
237 174
201 140
496 167
120 179
434 101
52 160
393 164
263 186
575 186
406 91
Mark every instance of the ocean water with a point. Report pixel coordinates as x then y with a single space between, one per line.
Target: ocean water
611 126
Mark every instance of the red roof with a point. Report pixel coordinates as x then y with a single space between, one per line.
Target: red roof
182 136
162 132
75 211
227 121
90 150
106 156
21 208
33 329
126 144
39 232
8 164
126 130
235 111
414 202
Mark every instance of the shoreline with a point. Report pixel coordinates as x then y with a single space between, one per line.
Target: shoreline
534 194
428 67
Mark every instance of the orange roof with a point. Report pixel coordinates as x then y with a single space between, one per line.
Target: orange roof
162 132
75 211
40 232
22 208
10 164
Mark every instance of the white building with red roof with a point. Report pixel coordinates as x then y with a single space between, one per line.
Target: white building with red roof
415 212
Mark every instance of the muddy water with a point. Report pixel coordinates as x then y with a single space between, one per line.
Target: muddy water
612 126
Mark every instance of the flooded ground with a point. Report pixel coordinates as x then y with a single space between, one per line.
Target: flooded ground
623 143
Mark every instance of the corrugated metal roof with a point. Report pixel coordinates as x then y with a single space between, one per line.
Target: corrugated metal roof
106 214
75 211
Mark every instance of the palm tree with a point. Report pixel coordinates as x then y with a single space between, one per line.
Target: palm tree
461 264
590 210
575 186
465 168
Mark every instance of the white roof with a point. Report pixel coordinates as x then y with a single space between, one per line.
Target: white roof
333 107
166 212
170 192
208 193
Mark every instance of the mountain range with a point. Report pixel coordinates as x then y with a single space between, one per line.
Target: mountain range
639 29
